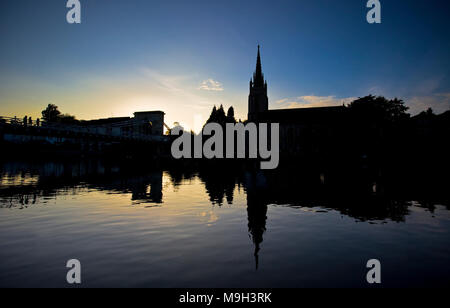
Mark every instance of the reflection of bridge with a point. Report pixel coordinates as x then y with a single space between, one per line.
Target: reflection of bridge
43 181
127 130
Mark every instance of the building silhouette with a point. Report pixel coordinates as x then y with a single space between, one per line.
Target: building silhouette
258 101
146 123
303 131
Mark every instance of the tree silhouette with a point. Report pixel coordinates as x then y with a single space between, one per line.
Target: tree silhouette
230 115
218 116
213 116
380 109
67 119
51 113
430 111
221 117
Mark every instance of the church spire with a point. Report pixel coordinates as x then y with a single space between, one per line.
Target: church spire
258 76
257 100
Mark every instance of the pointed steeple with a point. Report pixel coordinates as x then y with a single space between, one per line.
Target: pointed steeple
258 76
257 101
258 62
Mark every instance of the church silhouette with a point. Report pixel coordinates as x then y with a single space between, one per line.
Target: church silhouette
303 131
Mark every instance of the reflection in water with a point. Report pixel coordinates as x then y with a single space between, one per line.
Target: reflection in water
365 196
24 184
257 210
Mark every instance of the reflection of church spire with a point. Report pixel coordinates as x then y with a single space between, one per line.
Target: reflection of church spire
257 216
257 249
256 187
257 213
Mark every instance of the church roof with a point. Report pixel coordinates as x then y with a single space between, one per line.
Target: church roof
303 115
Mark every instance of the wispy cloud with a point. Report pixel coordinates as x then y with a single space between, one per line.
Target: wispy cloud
312 101
438 102
211 85
179 96
171 83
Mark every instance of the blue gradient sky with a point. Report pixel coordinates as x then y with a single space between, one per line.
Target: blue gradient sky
136 55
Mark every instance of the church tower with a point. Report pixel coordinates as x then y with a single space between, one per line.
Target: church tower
257 100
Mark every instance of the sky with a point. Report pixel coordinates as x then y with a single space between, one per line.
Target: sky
183 57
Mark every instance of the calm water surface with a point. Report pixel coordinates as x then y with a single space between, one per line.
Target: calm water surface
159 229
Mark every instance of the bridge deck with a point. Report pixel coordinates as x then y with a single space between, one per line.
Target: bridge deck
110 131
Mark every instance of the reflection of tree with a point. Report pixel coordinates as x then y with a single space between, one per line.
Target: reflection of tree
220 180
363 194
55 179
219 186
179 172
149 190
